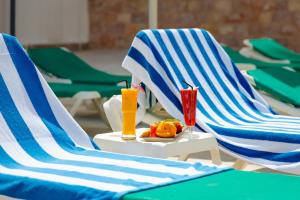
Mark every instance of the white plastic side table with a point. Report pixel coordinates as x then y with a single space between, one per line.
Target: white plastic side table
181 147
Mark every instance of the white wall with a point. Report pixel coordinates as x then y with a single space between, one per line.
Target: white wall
4 14
52 21
1 16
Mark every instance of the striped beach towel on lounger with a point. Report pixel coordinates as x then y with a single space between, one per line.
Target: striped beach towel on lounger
44 154
227 106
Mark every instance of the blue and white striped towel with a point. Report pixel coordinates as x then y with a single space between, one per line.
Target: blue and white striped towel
243 123
44 154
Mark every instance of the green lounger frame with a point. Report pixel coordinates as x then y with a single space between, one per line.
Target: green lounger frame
62 63
80 93
241 59
251 53
273 49
281 84
228 185
86 82
69 90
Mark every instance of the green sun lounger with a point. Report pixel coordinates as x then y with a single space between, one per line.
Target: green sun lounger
69 90
273 49
272 78
226 186
65 64
81 92
240 59
280 83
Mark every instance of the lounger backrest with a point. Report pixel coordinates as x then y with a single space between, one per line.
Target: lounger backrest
60 62
227 105
240 59
164 58
28 107
273 49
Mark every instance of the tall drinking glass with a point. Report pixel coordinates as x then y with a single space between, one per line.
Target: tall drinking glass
129 108
189 102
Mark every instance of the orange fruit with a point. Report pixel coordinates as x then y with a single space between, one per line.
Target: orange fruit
153 128
166 130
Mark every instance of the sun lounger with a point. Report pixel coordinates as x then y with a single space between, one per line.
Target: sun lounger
276 89
64 64
244 125
244 61
44 154
69 90
251 53
80 93
273 49
281 83
71 77
278 85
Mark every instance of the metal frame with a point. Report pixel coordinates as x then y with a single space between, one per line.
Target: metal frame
12 21
152 13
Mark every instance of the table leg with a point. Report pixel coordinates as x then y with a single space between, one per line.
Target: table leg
215 156
183 157
240 164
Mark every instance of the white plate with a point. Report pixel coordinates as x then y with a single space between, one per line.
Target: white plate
159 139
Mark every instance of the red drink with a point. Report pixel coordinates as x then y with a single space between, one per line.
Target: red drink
189 101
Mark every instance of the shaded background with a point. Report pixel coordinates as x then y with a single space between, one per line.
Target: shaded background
113 23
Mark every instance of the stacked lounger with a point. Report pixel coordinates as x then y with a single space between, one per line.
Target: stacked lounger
277 79
273 49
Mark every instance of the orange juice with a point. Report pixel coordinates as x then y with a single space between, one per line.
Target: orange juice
129 108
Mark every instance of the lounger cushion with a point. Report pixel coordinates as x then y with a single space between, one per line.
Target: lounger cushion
65 64
226 186
69 90
281 83
271 48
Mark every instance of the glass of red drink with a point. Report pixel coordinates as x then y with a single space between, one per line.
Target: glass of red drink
189 103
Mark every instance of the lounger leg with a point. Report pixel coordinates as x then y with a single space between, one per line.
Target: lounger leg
240 164
99 105
80 97
183 157
76 106
215 156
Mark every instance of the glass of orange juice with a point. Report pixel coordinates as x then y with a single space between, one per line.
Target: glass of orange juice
129 108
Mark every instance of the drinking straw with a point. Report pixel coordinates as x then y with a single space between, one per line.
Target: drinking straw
127 86
138 87
188 84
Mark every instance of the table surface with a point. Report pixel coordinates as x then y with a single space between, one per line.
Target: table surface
116 136
184 144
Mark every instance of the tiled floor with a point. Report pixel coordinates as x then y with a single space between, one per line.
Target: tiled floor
110 61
